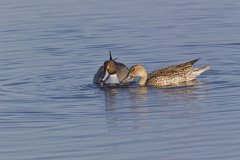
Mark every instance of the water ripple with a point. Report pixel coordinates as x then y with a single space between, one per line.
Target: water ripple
49 108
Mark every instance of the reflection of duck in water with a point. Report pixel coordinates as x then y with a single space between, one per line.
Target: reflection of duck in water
171 75
111 72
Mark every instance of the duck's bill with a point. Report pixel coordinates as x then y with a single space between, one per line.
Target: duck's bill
127 79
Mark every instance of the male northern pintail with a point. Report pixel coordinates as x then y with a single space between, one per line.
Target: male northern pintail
170 75
111 72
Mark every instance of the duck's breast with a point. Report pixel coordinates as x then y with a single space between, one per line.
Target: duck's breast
166 80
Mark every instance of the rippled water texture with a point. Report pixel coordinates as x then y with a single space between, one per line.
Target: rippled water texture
50 50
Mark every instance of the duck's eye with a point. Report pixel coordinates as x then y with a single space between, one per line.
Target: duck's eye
133 69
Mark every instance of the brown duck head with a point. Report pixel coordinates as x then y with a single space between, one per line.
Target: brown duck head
110 69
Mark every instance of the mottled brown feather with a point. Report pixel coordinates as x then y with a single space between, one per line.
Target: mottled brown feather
172 74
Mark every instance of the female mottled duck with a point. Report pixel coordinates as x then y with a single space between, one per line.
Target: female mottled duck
171 75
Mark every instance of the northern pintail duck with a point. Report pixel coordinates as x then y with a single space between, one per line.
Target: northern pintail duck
111 72
170 75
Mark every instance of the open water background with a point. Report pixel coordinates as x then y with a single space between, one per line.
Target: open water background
50 50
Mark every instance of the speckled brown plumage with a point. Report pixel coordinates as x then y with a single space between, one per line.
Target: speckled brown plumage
170 75
173 74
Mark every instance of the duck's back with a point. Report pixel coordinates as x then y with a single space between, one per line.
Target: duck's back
172 74
98 75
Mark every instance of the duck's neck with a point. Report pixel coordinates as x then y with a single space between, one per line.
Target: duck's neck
143 79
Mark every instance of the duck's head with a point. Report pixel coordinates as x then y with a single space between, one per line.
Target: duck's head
136 71
110 69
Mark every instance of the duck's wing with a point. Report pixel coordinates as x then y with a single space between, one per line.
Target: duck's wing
122 71
175 70
186 64
98 75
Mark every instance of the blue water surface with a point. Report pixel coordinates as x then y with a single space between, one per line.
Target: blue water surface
50 51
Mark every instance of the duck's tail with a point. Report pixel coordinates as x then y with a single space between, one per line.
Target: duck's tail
198 71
